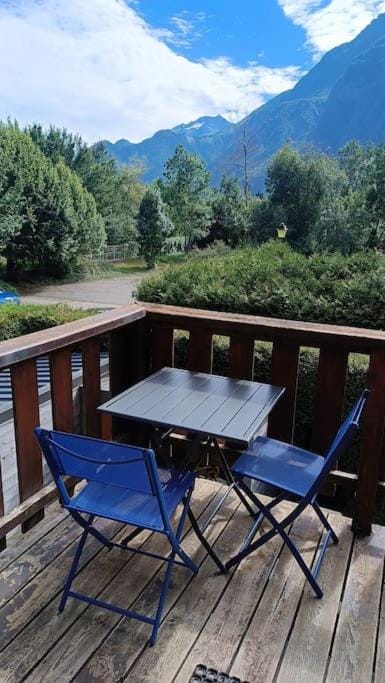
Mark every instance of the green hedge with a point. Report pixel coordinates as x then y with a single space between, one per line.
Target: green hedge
275 281
18 319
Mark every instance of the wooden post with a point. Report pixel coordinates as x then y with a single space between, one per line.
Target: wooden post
329 400
91 386
129 363
371 446
200 350
26 418
284 373
61 390
241 358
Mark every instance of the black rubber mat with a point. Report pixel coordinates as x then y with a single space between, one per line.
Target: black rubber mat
205 674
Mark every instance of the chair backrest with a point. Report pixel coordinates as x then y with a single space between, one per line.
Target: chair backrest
100 461
342 439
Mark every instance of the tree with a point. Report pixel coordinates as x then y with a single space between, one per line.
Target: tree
264 219
229 213
48 221
185 189
294 182
117 191
154 226
242 150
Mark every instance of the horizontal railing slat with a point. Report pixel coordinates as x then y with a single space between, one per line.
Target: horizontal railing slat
45 341
267 329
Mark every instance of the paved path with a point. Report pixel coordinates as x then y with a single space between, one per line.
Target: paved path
106 293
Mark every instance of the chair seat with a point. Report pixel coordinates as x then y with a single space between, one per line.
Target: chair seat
132 507
279 464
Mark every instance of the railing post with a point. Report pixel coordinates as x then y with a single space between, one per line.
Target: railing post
371 446
200 350
61 390
241 357
26 418
129 363
91 386
329 400
284 372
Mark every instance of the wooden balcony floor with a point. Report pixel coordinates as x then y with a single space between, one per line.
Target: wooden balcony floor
261 623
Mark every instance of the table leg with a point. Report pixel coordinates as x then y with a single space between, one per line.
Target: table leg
230 479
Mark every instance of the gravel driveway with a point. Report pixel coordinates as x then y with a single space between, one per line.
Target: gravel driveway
106 293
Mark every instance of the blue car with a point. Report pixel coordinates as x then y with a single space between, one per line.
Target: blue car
8 297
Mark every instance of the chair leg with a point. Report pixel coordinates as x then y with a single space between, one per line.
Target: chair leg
325 522
73 570
278 528
230 479
166 581
163 595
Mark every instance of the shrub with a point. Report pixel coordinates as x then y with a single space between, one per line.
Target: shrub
275 281
16 320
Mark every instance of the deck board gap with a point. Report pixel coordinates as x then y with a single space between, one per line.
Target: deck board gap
382 598
342 594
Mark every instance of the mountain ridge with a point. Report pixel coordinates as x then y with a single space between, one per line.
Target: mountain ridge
325 109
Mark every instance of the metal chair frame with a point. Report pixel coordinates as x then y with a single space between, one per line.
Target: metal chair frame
63 460
341 441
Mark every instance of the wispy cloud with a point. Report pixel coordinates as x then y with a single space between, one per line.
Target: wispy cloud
331 22
99 69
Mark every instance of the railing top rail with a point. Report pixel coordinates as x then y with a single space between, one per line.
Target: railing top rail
55 338
268 329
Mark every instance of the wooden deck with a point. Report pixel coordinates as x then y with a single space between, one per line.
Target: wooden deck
260 623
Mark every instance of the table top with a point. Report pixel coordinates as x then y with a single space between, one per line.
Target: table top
199 403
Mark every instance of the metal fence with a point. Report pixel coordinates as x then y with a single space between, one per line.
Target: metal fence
117 252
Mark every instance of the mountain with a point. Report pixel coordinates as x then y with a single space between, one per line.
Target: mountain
196 136
341 98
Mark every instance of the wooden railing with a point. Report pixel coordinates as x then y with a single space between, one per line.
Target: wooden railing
141 339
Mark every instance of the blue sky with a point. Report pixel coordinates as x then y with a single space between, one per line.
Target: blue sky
244 31
127 68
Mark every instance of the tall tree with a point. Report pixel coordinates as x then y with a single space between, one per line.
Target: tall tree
154 226
185 189
229 213
295 182
48 221
117 191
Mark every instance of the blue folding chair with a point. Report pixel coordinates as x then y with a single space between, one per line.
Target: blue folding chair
125 485
295 472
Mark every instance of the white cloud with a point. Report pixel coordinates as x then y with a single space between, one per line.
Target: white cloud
98 68
333 22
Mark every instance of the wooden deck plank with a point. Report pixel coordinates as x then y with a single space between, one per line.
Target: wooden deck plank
379 672
354 644
261 649
217 642
309 643
111 660
28 602
19 543
27 567
50 628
